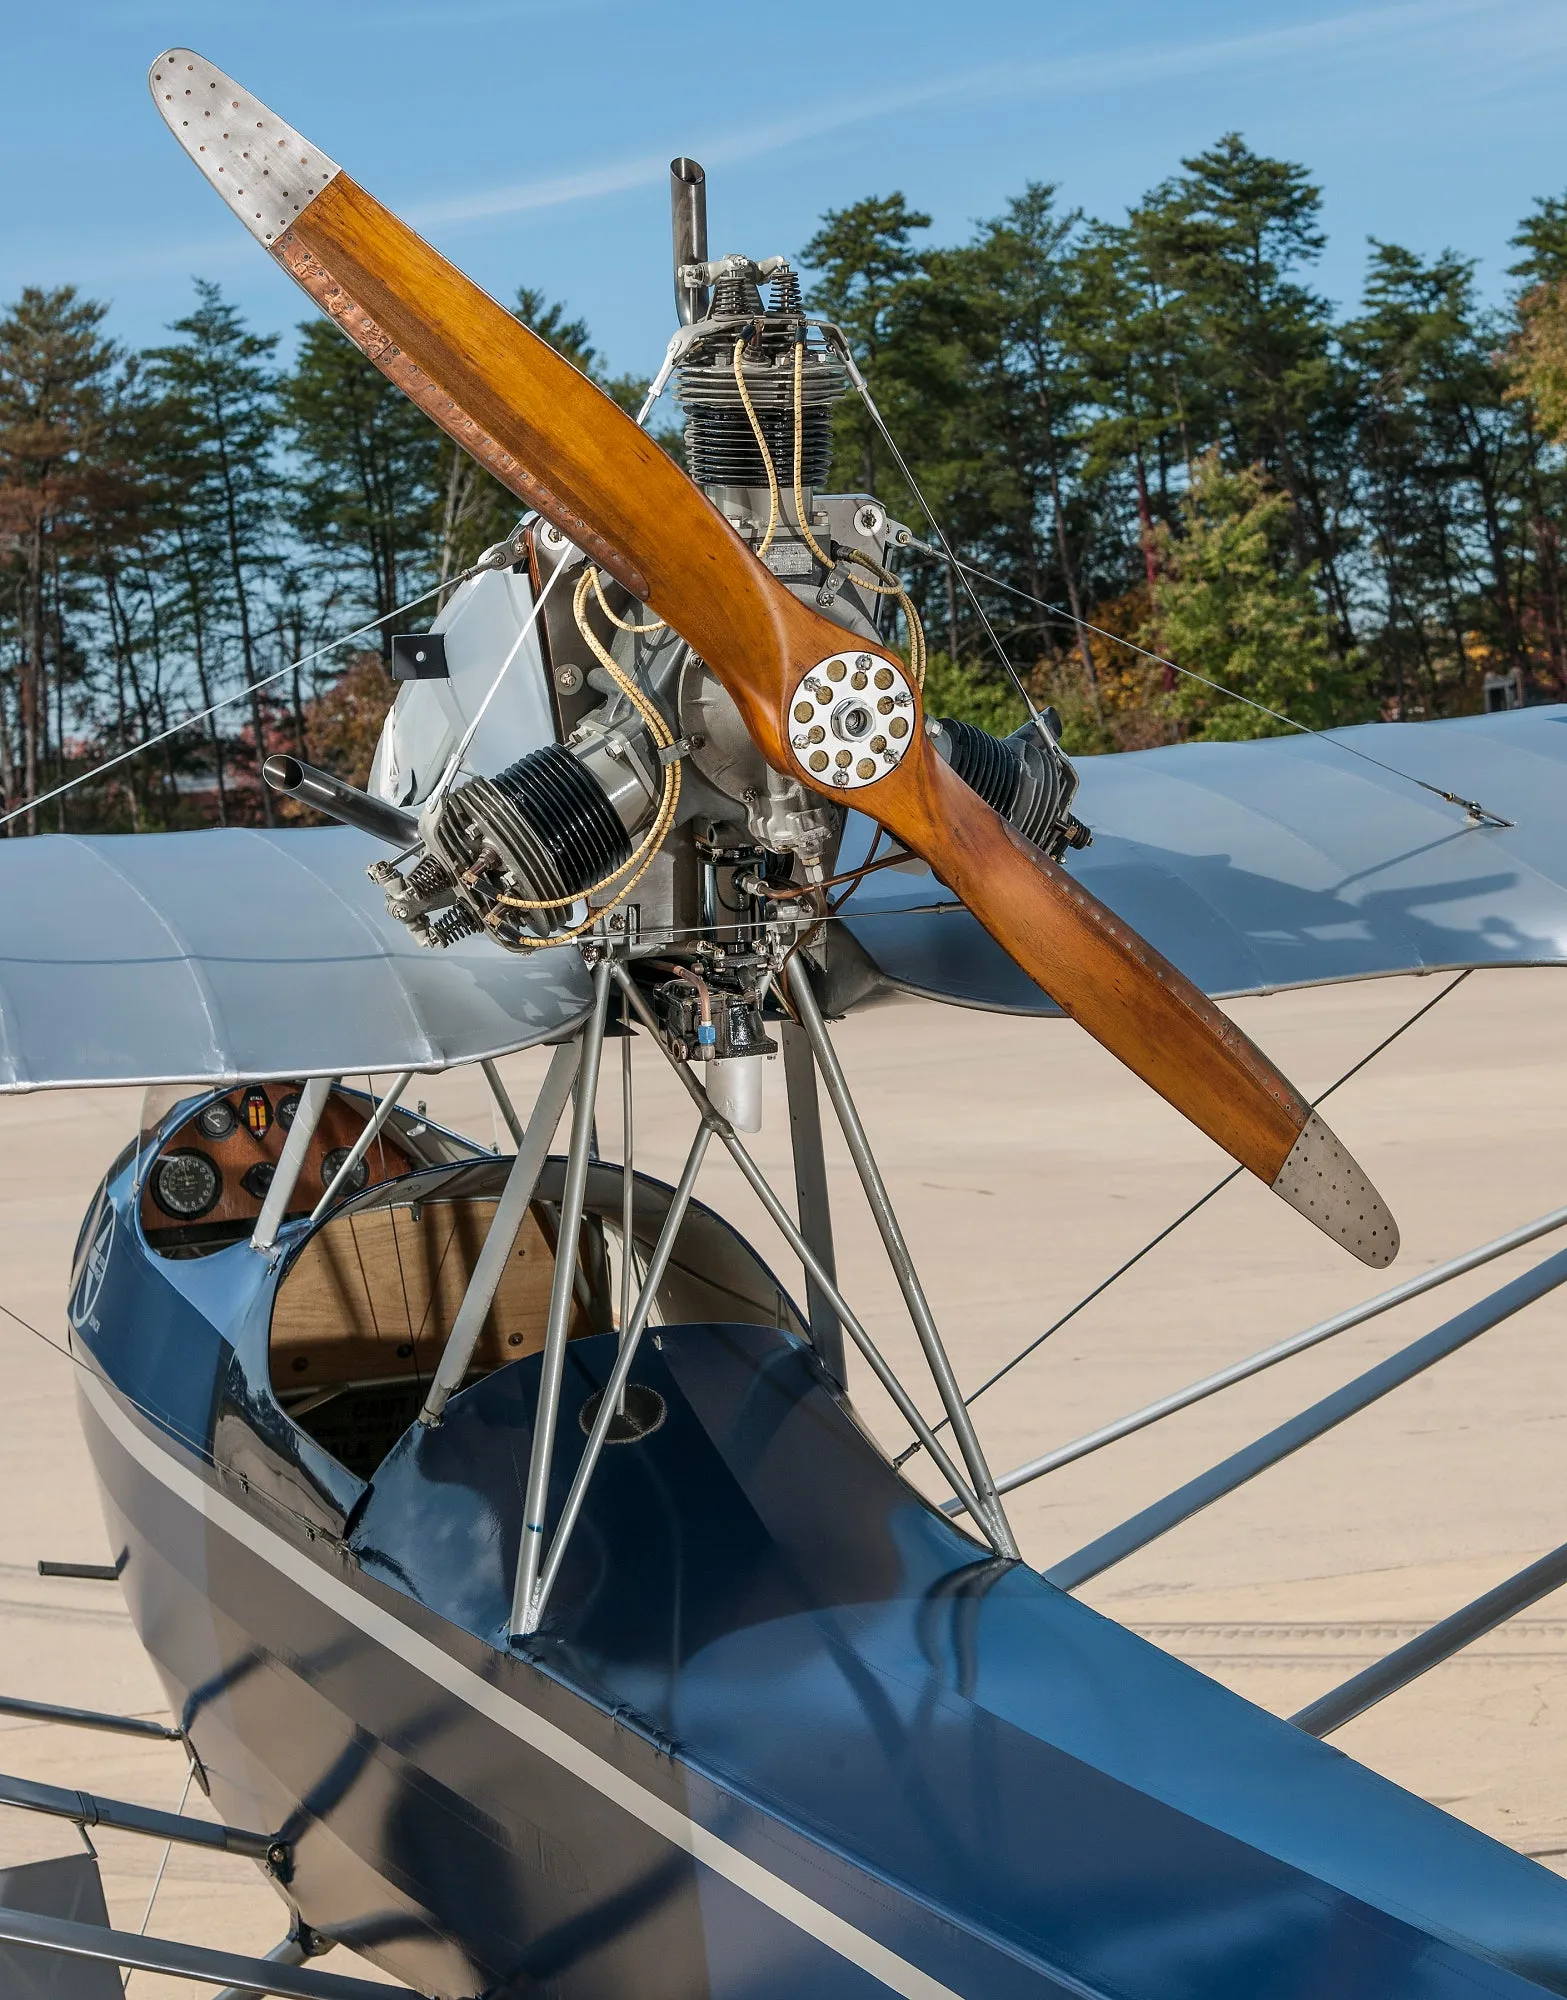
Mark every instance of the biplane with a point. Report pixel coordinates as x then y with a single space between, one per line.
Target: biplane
535 1608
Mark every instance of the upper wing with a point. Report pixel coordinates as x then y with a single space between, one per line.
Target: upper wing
1254 866
184 957
1285 862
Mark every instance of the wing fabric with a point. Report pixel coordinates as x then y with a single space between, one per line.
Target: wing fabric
1260 866
206 957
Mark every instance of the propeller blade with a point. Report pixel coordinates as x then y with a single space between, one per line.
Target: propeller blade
564 448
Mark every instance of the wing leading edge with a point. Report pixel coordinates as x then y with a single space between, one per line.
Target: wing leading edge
207 957
193 957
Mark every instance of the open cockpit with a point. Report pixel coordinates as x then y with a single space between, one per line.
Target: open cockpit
369 1300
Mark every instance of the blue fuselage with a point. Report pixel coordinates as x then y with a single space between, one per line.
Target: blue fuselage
786 1730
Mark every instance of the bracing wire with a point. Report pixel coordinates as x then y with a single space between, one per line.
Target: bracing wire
158 1417
862 388
239 694
966 572
1185 1216
1472 807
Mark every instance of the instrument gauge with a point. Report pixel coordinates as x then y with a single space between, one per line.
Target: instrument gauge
257 1179
217 1119
258 1112
334 1160
186 1185
286 1108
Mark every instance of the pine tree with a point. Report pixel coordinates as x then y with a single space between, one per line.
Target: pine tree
55 373
368 460
1233 608
221 420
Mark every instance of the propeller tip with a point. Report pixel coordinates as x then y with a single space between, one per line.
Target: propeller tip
1325 1183
265 170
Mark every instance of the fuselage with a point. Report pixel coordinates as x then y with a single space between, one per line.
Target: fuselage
785 1728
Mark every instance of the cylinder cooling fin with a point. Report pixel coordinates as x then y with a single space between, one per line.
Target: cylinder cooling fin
1020 776
545 831
721 448
548 818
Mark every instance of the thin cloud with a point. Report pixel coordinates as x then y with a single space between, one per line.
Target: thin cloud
1067 75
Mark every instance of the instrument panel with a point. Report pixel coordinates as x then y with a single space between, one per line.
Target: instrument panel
211 1176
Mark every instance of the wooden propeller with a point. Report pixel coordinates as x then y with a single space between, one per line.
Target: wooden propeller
564 448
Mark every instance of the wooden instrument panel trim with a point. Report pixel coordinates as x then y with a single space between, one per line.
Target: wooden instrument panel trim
341 1123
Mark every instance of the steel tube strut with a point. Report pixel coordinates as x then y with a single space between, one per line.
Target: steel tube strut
1450 1635
1321 1417
181 1961
312 1102
786 1227
367 1138
503 1101
292 1951
1268 1357
89 1718
562 1294
811 1199
628 1178
86 1810
614 1389
510 1211
898 1256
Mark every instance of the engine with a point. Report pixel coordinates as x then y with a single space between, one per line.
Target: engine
652 813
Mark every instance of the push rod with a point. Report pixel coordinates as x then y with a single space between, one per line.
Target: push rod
88 1718
362 1144
489 1268
1321 1417
562 1295
66 1939
781 1219
1440 1642
84 1809
902 1263
1269 1357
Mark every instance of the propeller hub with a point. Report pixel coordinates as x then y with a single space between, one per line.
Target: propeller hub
851 719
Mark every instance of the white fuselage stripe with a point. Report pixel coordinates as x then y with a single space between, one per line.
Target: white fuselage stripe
539 1734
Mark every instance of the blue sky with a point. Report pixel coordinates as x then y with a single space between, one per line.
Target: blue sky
531 140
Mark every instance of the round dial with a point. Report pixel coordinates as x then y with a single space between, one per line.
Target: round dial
334 1160
217 1119
186 1185
287 1106
257 1179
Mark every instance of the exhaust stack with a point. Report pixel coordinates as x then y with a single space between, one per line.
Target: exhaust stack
688 222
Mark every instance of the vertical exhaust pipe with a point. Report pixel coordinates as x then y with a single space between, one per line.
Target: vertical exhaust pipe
688 221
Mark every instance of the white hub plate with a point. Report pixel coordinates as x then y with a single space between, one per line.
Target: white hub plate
852 719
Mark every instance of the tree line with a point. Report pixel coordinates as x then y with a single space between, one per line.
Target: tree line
1193 497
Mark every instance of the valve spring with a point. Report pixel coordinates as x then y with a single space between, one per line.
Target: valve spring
721 447
427 877
985 763
733 296
447 926
786 295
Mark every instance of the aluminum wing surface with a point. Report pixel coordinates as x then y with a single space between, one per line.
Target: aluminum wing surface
212 956
1285 862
